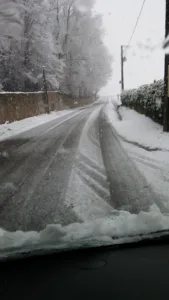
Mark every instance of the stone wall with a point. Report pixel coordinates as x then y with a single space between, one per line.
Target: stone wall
18 106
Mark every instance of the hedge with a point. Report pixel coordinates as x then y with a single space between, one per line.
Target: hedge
147 100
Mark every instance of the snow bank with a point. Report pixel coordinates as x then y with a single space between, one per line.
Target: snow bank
121 227
137 128
8 130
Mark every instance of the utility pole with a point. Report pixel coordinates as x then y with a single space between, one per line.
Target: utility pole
123 60
122 69
47 110
166 75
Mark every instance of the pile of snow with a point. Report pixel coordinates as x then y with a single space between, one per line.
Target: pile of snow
135 127
119 228
8 130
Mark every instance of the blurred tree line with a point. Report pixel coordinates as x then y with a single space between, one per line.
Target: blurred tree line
63 36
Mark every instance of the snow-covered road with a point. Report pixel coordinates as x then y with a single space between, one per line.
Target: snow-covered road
35 171
68 170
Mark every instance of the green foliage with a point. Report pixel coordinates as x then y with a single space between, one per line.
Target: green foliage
147 100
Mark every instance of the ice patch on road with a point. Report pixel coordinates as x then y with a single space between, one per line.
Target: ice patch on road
118 228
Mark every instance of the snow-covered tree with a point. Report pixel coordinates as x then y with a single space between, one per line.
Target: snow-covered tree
88 64
63 36
10 24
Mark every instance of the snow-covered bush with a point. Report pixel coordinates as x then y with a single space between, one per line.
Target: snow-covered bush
147 100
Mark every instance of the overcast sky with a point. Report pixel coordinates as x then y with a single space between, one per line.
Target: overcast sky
145 58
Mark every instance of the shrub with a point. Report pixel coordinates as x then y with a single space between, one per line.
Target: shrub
147 100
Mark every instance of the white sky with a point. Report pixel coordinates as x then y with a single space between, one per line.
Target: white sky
143 65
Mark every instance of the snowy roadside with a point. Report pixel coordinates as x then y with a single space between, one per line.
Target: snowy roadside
8 130
138 128
148 147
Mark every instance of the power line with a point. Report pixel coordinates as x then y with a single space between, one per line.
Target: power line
138 18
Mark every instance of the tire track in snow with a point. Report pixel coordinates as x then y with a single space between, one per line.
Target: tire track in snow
154 168
88 190
128 187
42 180
31 138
